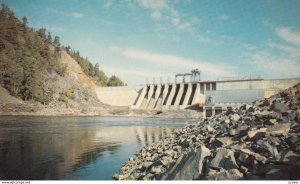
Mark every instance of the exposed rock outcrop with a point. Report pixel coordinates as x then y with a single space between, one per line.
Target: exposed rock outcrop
255 142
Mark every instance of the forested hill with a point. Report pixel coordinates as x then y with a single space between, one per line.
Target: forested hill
34 66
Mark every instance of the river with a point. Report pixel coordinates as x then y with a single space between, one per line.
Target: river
74 148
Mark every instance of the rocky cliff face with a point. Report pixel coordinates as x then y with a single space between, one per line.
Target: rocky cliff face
74 94
256 142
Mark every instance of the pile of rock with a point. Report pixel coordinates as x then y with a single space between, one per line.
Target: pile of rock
255 142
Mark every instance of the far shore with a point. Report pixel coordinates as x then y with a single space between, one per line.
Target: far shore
174 114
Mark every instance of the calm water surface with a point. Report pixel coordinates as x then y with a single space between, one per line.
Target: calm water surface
74 148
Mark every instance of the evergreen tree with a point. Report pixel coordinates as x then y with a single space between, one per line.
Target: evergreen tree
24 21
42 33
56 41
115 81
49 38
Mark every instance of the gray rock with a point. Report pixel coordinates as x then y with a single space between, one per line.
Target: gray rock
234 132
148 176
210 128
251 176
227 121
265 145
166 160
243 169
279 129
294 142
257 156
189 166
289 157
257 133
279 107
232 174
147 164
264 103
235 117
224 159
277 174
156 169
211 172
223 141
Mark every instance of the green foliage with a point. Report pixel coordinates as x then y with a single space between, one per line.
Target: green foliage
66 95
26 59
115 81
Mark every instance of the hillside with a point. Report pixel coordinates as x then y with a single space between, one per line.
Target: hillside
73 95
38 76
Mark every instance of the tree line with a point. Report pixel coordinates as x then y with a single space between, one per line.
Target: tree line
93 70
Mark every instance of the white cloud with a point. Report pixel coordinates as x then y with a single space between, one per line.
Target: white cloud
175 21
172 15
114 49
77 14
272 65
288 35
153 4
68 14
56 29
224 17
156 15
106 3
291 50
165 10
172 64
51 28
278 59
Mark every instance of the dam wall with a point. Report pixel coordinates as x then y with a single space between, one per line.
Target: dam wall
188 95
120 96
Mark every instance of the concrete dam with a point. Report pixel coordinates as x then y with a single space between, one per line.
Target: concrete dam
193 95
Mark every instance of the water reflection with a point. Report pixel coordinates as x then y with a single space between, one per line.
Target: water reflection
73 147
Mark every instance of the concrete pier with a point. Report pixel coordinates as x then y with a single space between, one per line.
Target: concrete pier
187 95
179 94
171 95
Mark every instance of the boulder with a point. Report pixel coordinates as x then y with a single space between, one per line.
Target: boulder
227 121
156 169
257 133
264 103
257 156
224 159
188 166
234 132
210 128
279 129
147 164
294 142
235 117
279 107
223 141
148 176
266 146
166 160
232 174
289 157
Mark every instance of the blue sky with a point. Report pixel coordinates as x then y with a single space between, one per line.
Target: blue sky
140 39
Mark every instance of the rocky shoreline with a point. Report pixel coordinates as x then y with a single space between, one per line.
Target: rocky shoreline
255 142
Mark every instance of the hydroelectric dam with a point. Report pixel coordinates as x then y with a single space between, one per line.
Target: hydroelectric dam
214 96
